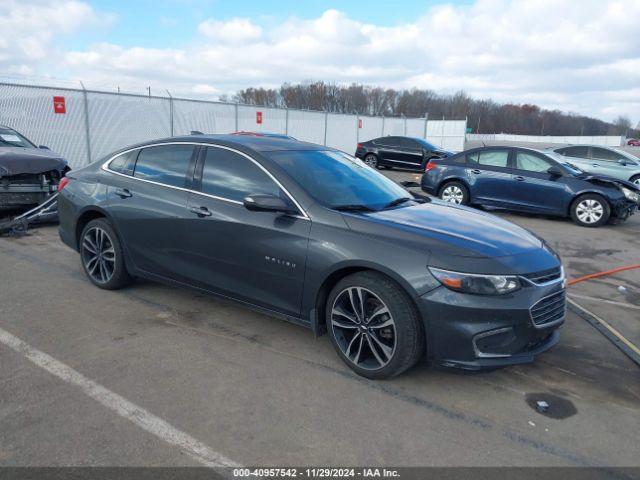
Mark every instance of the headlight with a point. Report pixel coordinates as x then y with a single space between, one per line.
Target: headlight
478 284
631 195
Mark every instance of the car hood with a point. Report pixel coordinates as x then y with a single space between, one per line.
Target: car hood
453 229
17 160
607 180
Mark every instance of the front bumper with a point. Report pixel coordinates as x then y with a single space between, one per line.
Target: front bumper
17 196
474 331
624 209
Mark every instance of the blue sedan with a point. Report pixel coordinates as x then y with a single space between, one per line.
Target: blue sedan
528 180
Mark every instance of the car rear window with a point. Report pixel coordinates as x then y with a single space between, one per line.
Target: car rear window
491 158
125 162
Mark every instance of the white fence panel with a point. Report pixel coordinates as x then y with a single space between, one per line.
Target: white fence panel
342 132
273 120
307 126
110 121
117 121
29 110
393 126
415 127
447 134
605 140
204 117
371 128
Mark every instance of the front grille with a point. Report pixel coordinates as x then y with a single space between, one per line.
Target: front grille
544 276
550 309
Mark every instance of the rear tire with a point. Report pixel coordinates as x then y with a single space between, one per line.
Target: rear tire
590 210
102 256
374 326
454 192
635 179
371 160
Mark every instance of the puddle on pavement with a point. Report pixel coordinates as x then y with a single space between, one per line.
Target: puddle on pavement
559 407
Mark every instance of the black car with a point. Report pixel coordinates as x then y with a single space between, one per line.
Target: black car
401 152
314 236
528 180
29 175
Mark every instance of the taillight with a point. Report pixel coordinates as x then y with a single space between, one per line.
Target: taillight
431 165
359 146
63 183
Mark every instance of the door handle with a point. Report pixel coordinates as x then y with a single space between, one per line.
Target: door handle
475 171
200 211
519 178
595 164
123 192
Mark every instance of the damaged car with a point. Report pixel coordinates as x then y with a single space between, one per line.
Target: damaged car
528 180
29 175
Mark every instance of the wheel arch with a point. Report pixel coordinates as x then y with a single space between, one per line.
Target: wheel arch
85 216
587 192
454 178
345 269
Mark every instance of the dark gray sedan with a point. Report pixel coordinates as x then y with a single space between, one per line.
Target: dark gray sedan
314 236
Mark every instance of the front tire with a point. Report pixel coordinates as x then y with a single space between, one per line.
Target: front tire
635 179
102 256
454 192
590 210
374 326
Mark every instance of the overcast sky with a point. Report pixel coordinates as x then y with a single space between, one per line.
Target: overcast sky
576 55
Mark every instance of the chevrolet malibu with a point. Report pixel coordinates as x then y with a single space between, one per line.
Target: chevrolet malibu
315 237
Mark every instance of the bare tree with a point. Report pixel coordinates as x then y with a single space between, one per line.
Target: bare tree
483 116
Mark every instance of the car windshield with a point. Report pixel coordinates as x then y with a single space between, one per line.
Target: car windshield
11 138
340 181
574 170
628 155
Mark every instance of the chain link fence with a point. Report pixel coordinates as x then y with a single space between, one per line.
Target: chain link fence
86 125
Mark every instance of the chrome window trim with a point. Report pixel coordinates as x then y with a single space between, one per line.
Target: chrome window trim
105 167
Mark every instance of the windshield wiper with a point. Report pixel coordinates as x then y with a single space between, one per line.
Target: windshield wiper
397 201
353 207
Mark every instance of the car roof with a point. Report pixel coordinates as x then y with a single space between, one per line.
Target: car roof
242 142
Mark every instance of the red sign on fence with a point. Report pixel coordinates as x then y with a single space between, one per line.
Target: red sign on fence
359 123
258 117
59 105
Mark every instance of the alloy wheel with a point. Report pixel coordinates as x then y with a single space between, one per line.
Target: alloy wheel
98 254
363 328
637 181
589 211
452 194
371 161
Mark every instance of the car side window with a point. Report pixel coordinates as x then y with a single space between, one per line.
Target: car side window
531 162
229 175
124 163
577 152
408 143
491 158
166 164
607 155
388 141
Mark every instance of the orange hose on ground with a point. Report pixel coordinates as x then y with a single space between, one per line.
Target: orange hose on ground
602 274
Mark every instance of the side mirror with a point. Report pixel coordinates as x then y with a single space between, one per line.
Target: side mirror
268 203
623 162
44 147
555 172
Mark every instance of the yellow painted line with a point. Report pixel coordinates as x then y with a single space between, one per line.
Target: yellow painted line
606 325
